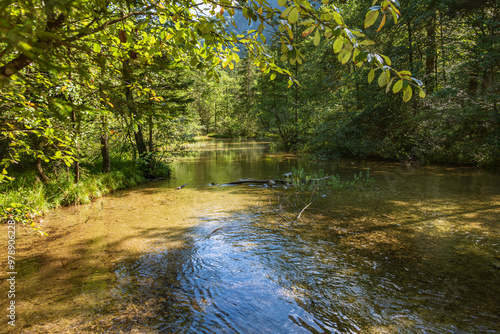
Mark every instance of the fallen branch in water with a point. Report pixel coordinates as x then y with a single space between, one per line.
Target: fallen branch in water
179 188
255 181
217 229
276 211
311 201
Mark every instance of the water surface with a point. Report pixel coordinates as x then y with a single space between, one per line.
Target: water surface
418 254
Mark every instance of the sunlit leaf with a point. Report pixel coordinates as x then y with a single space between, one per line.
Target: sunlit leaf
397 86
407 93
317 38
371 75
346 57
394 15
388 87
309 30
338 18
387 60
370 18
382 79
367 42
338 45
293 16
382 23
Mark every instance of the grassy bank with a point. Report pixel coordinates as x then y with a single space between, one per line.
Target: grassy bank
26 198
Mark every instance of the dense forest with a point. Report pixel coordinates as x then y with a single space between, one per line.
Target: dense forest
452 46
99 95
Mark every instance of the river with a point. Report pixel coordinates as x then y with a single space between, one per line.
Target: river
418 253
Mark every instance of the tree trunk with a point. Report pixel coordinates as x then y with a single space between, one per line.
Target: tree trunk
139 136
410 46
106 160
76 164
151 128
41 174
431 54
443 54
38 161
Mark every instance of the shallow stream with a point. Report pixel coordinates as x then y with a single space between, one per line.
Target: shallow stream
420 253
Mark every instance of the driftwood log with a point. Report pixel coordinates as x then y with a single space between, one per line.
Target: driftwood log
257 182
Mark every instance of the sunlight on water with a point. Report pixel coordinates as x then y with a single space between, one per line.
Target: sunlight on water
419 254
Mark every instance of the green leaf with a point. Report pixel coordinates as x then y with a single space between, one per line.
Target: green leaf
387 60
389 86
397 86
273 76
338 18
317 38
328 16
96 48
361 56
163 19
25 46
282 3
346 58
382 23
293 16
394 15
338 45
408 73
328 32
382 79
407 94
421 93
286 11
371 75
370 18
342 54
366 42
308 31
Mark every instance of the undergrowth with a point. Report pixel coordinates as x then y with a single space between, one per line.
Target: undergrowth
303 181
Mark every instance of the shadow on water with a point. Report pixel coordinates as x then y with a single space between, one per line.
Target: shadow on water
419 254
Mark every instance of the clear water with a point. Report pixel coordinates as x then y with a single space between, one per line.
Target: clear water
419 254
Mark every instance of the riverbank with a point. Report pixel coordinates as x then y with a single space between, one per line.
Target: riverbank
26 199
